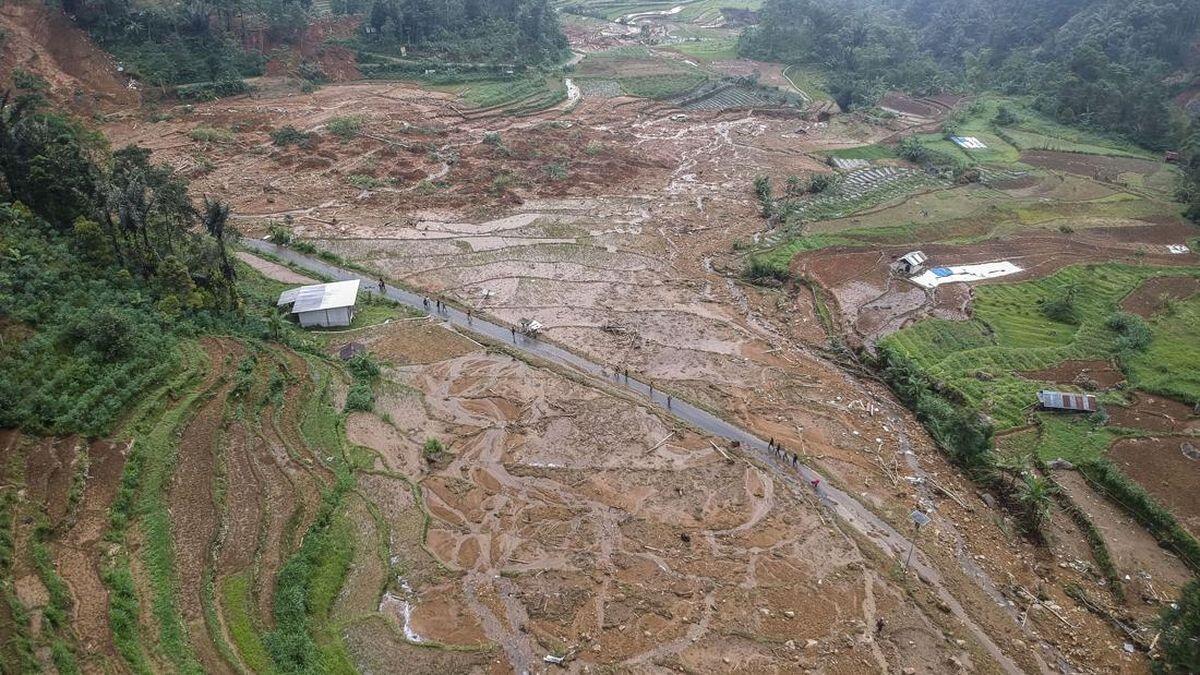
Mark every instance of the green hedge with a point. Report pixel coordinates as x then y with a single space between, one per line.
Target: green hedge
958 430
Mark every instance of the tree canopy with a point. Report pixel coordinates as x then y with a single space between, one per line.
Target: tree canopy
509 31
1095 63
103 259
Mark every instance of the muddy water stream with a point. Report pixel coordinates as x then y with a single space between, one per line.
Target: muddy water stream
844 506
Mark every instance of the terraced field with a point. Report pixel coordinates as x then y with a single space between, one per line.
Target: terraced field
1030 131
856 191
226 525
729 96
979 360
638 71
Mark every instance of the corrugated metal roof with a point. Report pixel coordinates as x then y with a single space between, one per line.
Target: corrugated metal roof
914 258
320 296
1063 400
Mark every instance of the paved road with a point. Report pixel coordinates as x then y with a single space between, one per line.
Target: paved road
845 507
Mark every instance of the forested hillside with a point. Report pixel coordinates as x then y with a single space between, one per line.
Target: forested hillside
512 31
1094 63
1106 65
105 262
222 41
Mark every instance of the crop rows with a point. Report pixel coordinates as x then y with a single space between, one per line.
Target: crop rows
856 191
735 97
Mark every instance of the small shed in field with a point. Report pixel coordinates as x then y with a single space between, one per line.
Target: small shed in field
911 262
322 305
1061 400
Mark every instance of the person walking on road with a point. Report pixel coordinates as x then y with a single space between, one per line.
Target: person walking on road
382 287
425 302
514 333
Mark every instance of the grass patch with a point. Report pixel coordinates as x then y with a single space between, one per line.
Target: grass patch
57 611
868 152
1075 438
321 425
1170 366
237 607
140 498
977 361
525 94
346 127
1028 129
809 81
661 86
17 651
306 586
640 72
716 48
211 135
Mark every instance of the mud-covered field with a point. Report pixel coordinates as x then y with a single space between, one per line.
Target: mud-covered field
490 510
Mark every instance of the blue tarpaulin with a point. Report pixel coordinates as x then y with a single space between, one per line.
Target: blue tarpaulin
942 271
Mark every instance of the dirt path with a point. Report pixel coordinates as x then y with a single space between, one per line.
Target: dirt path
274 271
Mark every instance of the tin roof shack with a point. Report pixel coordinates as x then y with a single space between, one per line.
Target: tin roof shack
1061 400
322 305
911 262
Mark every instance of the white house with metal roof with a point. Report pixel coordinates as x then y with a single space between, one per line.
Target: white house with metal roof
911 262
323 305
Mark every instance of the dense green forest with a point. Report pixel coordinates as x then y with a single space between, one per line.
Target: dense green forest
1103 64
105 263
221 41
185 43
524 32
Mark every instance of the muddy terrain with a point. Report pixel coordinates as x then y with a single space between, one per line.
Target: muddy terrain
627 260
503 513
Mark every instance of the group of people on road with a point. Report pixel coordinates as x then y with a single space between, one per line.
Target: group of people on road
439 306
617 373
789 458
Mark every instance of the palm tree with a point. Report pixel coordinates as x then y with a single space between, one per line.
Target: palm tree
1035 493
1013 466
275 326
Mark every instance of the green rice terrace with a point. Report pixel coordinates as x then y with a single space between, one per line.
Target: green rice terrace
1072 315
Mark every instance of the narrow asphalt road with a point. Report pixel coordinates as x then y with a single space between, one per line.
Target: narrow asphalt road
848 509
